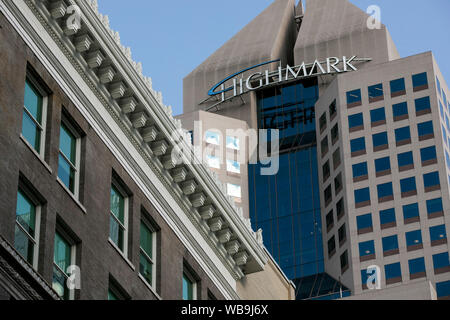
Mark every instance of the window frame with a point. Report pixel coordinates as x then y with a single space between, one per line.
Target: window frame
397 93
153 260
417 78
377 122
73 254
375 98
77 166
390 251
38 213
126 205
190 277
42 126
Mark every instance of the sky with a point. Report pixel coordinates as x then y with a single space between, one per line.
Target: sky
171 38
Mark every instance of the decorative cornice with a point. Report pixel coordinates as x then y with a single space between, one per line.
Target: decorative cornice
121 98
16 279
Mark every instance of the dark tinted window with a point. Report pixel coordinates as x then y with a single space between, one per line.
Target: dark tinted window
354 96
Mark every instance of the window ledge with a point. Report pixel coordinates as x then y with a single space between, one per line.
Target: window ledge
130 264
72 196
36 154
149 287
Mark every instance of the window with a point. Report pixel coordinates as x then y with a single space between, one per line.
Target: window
64 256
342 235
438 235
324 146
338 184
393 273
26 239
326 171
336 159
234 190
405 161
400 111
390 245
34 115
387 218
112 296
191 135
411 213
362 197
340 211
402 136
344 262
213 161
118 231
408 187
233 143
358 146
431 181
115 292
212 138
423 106
328 195
447 159
441 109
331 246
420 81
398 87
385 192
364 223
426 130
323 122
354 98
378 117
441 263
233 166
211 296
443 290
147 253
330 220
376 92
428 156
189 286
69 157
414 240
333 110
438 85
356 122
417 268
367 250
364 279
383 166
360 172
435 208
380 141
335 134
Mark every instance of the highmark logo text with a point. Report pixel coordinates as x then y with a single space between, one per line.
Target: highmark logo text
255 147
237 84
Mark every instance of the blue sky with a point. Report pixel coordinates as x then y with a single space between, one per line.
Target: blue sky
171 38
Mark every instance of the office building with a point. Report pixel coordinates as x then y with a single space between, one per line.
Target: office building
363 179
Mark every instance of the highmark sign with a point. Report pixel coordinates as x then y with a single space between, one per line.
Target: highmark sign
238 85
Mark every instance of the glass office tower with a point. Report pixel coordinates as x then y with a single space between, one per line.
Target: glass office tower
286 206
